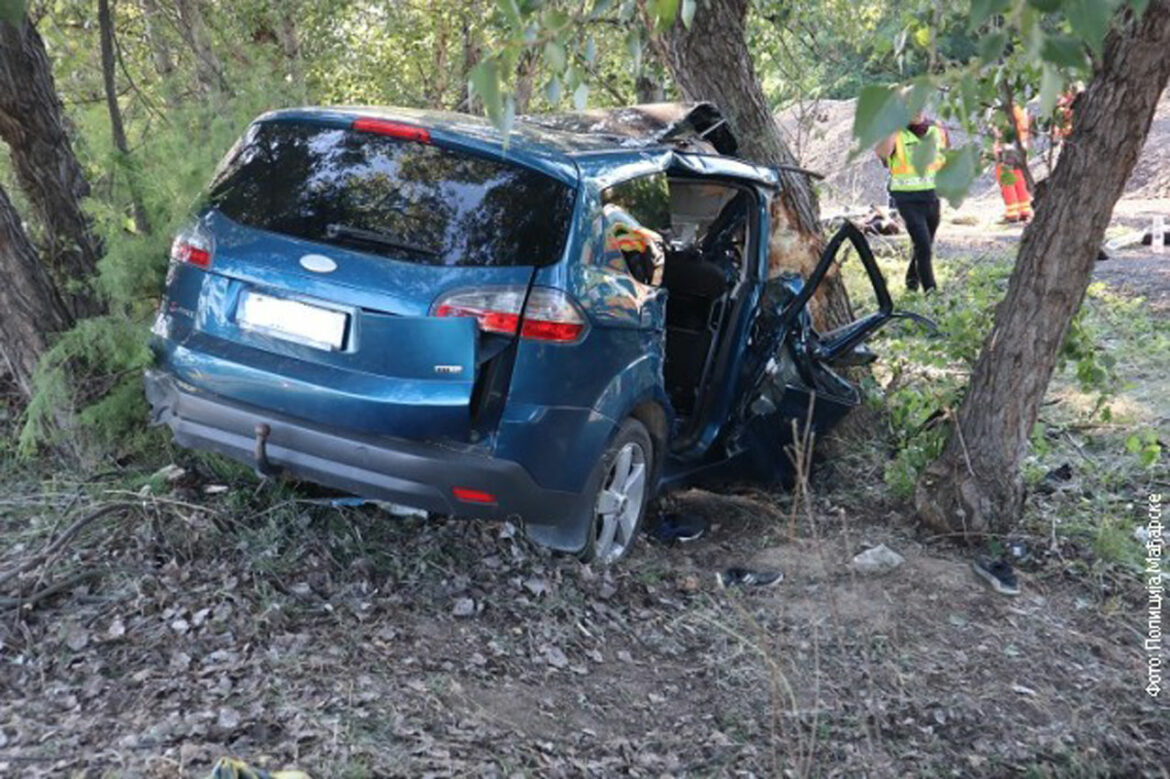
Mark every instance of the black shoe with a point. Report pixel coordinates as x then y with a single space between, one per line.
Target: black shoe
742 577
679 527
997 573
911 283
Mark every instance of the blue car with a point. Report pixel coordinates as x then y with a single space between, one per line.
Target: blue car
551 327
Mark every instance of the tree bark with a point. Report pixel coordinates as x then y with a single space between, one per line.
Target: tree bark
710 61
290 41
525 79
436 86
160 53
32 124
208 68
975 486
469 102
30 307
117 130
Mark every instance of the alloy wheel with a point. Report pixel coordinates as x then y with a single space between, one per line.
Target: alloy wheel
619 503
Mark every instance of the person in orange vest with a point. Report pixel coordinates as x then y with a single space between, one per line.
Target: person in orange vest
1017 200
1062 118
913 191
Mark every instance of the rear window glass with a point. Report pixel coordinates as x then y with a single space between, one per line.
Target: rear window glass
402 199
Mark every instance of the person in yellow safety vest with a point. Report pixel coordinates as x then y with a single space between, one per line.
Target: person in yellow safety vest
1017 200
913 191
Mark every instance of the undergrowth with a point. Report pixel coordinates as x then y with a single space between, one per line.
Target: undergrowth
88 396
1096 445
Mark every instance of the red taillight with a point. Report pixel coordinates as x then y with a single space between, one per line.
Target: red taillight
193 246
489 321
405 132
551 331
550 314
472 496
193 255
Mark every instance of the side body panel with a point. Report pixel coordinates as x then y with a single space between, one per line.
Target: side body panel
566 401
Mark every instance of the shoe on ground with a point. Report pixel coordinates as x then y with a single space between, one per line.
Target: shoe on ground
998 574
911 283
742 577
679 527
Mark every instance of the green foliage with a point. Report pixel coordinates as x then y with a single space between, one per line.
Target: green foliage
880 111
1146 446
13 11
921 380
88 387
926 377
102 350
1021 48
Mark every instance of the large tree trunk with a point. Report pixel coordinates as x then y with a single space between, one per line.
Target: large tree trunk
30 307
975 486
117 130
33 126
710 61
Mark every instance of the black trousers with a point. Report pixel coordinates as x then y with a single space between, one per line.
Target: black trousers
920 212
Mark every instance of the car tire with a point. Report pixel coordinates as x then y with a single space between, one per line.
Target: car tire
620 491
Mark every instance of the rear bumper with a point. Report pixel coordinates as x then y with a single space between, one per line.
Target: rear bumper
410 473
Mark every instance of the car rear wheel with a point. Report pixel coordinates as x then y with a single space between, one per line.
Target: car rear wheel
621 484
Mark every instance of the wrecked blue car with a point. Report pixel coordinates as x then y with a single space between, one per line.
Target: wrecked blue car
552 327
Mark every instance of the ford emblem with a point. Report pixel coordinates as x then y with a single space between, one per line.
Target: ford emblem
318 263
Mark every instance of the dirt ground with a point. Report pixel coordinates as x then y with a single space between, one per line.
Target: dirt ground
473 654
353 643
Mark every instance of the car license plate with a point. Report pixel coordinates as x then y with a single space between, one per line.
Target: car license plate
292 320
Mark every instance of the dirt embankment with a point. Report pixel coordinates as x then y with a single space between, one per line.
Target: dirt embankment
820 134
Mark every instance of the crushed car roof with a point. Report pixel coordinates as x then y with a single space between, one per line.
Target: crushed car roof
554 141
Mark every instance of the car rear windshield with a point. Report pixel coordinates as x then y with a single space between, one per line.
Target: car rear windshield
403 199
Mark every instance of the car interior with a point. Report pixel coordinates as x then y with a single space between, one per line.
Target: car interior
703 234
703 273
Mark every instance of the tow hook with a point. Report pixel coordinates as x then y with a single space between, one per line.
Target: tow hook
263 466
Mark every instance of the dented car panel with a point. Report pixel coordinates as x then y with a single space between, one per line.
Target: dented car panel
552 328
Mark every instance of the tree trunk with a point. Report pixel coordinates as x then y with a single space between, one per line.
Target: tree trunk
469 102
290 42
525 79
975 486
437 85
33 126
710 61
648 89
208 68
30 307
160 53
117 130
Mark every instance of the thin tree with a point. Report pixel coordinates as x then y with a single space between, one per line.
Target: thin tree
975 486
117 129
193 29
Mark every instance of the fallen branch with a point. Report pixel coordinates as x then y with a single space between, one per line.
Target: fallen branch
31 600
60 541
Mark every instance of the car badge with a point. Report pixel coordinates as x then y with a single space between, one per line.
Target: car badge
318 263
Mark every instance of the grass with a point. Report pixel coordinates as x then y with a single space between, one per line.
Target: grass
1096 447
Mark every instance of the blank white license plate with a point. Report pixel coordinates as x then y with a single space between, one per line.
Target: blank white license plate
292 320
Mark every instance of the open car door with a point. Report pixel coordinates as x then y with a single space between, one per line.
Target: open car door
793 379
